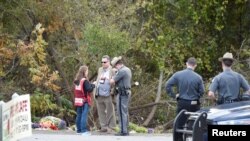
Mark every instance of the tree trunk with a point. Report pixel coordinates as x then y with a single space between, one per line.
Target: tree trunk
61 73
158 97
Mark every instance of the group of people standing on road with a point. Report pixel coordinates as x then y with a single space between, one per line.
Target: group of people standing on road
115 76
115 79
224 88
191 88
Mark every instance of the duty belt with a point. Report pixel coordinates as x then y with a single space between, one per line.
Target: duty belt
231 101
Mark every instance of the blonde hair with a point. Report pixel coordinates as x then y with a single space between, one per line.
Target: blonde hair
81 74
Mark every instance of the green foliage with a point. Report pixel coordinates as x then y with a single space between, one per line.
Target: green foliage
35 119
176 30
7 90
33 56
7 54
161 115
44 104
67 110
138 129
102 40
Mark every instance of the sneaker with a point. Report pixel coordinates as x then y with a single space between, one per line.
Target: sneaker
86 133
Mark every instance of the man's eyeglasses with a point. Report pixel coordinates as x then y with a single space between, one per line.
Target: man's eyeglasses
104 62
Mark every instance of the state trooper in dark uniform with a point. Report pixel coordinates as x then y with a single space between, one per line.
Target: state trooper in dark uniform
227 83
122 80
189 86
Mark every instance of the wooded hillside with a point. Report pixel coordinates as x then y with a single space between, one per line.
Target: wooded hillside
43 43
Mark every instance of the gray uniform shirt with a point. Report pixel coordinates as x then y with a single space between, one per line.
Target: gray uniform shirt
189 85
123 77
228 84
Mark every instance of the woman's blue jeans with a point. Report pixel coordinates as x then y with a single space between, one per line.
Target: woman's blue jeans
82 118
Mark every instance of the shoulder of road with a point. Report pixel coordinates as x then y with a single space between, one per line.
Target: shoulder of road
70 132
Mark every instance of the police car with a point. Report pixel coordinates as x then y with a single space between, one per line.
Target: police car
196 123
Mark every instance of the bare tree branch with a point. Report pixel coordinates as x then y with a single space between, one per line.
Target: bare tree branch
169 103
158 97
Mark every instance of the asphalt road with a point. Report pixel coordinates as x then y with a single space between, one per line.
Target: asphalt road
71 136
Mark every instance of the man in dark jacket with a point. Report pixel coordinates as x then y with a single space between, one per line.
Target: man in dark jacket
189 85
190 88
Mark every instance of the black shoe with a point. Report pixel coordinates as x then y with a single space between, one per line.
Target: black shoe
122 134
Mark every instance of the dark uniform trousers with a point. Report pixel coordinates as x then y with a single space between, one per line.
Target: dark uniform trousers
122 111
189 105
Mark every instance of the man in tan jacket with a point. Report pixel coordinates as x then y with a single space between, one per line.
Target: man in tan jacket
104 103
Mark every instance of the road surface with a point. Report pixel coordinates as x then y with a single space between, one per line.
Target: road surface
71 136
